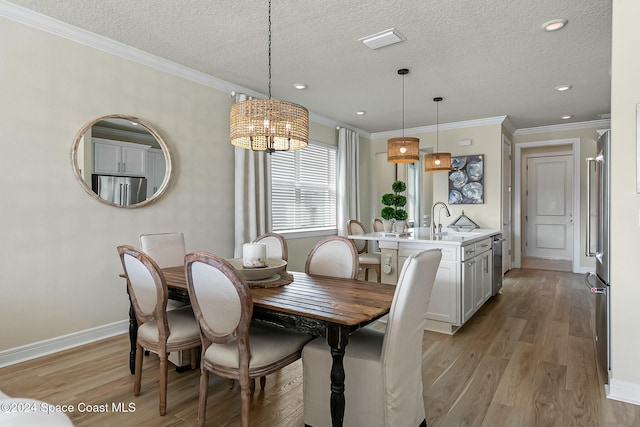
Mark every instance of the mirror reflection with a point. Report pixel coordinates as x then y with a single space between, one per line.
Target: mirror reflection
121 161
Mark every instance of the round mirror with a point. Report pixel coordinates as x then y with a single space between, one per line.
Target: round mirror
121 161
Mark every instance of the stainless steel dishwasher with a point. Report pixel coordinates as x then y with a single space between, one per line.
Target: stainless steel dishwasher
497 263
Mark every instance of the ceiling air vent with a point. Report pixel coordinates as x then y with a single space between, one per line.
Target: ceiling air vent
383 38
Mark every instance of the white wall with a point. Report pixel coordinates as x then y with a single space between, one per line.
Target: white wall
486 140
625 201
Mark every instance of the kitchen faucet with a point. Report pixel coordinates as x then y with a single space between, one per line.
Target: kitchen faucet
433 217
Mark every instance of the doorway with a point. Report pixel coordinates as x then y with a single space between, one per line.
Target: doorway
546 244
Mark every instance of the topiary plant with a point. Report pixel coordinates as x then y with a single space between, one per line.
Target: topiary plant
394 202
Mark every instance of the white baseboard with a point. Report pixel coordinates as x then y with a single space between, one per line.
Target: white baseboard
624 391
64 342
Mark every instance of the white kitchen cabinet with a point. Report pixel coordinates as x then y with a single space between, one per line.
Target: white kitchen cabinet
444 303
156 168
476 277
119 158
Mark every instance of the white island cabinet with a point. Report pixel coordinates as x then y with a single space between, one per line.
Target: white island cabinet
464 279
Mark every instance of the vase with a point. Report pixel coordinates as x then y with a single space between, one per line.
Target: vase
399 226
387 225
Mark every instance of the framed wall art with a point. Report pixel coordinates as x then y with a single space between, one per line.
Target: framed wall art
466 180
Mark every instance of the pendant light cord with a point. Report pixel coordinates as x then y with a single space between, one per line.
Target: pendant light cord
269 49
437 121
403 108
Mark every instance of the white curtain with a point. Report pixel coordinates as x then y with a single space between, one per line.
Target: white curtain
348 181
252 196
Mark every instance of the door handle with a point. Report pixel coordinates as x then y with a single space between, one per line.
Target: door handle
592 286
587 251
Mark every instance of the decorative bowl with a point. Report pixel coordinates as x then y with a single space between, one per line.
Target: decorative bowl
274 266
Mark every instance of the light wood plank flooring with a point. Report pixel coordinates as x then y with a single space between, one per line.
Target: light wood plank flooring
527 358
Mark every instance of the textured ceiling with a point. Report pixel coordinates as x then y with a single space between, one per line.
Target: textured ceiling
485 57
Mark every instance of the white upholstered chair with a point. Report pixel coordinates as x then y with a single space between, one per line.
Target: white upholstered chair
233 346
383 379
377 224
167 250
334 256
366 259
32 413
159 330
276 245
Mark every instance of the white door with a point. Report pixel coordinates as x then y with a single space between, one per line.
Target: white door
549 202
506 205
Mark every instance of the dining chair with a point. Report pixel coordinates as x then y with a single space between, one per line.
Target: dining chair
383 380
333 256
276 245
366 259
232 346
159 330
377 224
167 250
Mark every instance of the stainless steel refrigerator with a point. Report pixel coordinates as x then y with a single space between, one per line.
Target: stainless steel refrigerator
120 190
598 220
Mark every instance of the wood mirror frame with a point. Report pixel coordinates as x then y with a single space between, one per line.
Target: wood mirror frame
82 155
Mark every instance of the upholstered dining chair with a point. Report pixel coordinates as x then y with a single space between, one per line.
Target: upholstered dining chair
167 250
377 224
383 380
276 245
159 330
233 346
333 256
366 259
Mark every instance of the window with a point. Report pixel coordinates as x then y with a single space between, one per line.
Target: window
303 189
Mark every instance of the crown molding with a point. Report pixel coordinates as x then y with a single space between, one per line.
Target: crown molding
604 123
61 29
442 126
508 125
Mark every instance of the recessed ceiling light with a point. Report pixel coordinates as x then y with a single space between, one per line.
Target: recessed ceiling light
562 88
300 86
554 24
361 113
567 117
383 38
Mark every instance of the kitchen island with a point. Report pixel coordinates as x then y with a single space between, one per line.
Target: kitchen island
465 276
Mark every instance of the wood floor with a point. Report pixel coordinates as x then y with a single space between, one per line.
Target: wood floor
527 358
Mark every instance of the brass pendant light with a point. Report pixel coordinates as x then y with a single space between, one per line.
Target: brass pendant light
437 162
268 124
404 149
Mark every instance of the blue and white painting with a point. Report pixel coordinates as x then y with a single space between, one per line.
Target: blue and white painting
466 180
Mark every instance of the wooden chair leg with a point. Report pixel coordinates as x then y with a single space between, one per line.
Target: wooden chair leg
231 384
163 383
366 274
379 273
263 382
138 376
245 395
202 401
252 385
194 357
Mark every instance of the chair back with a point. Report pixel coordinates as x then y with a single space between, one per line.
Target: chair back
333 256
402 345
276 245
146 285
356 227
166 249
378 225
220 299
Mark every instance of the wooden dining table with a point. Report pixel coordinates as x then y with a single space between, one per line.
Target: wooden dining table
317 305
